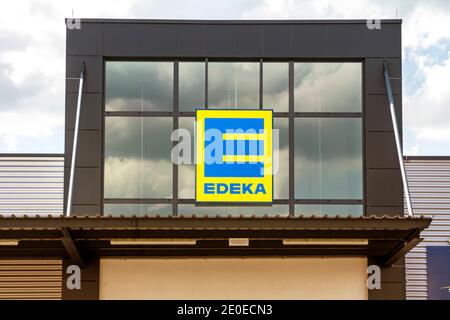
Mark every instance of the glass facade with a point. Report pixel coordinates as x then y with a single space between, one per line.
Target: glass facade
276 86
328 155
318 144
191 85
233 85
328 87
137 157
138 86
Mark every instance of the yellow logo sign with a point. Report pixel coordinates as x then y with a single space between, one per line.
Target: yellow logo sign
234 156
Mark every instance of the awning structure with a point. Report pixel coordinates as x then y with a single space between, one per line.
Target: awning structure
386 239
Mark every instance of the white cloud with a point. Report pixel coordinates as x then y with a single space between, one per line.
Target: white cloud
32 69
32 50
427 112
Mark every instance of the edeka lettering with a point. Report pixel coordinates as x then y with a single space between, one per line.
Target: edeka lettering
234 188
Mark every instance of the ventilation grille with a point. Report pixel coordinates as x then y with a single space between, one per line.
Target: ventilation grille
30 279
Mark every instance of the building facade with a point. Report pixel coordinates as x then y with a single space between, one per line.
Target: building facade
135 228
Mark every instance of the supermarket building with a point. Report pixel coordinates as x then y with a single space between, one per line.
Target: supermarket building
135 228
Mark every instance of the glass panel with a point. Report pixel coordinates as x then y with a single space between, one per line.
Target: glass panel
139 86
163 210
137 157
328 158
276 86
191 209
192 85
233 85
354 210
281 170
327 87
186 172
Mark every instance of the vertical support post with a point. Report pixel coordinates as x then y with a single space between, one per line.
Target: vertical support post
75 142
397 139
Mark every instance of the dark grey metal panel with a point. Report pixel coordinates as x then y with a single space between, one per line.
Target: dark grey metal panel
159 40
191 34
378 116
88 40
91 115
381 150
311 41
351 39
86 210
384 187
276 40
375 83
141 40
87 186
220 41
248 41
94 73
119 40
238 22
385 211
89 148
360 41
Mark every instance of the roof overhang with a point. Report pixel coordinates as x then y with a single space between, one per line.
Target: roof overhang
386 239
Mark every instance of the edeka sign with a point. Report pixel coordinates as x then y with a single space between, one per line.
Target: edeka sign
234 156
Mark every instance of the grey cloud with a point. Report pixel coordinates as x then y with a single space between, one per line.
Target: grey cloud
124 136
13 42
233 85
135 86
11 94
194 9
328 87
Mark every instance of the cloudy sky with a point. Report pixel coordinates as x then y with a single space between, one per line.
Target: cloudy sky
32 53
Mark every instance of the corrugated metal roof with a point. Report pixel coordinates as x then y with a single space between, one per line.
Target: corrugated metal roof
429 183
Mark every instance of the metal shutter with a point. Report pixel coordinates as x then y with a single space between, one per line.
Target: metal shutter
30 279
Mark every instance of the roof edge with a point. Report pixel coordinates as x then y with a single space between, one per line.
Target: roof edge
269 22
